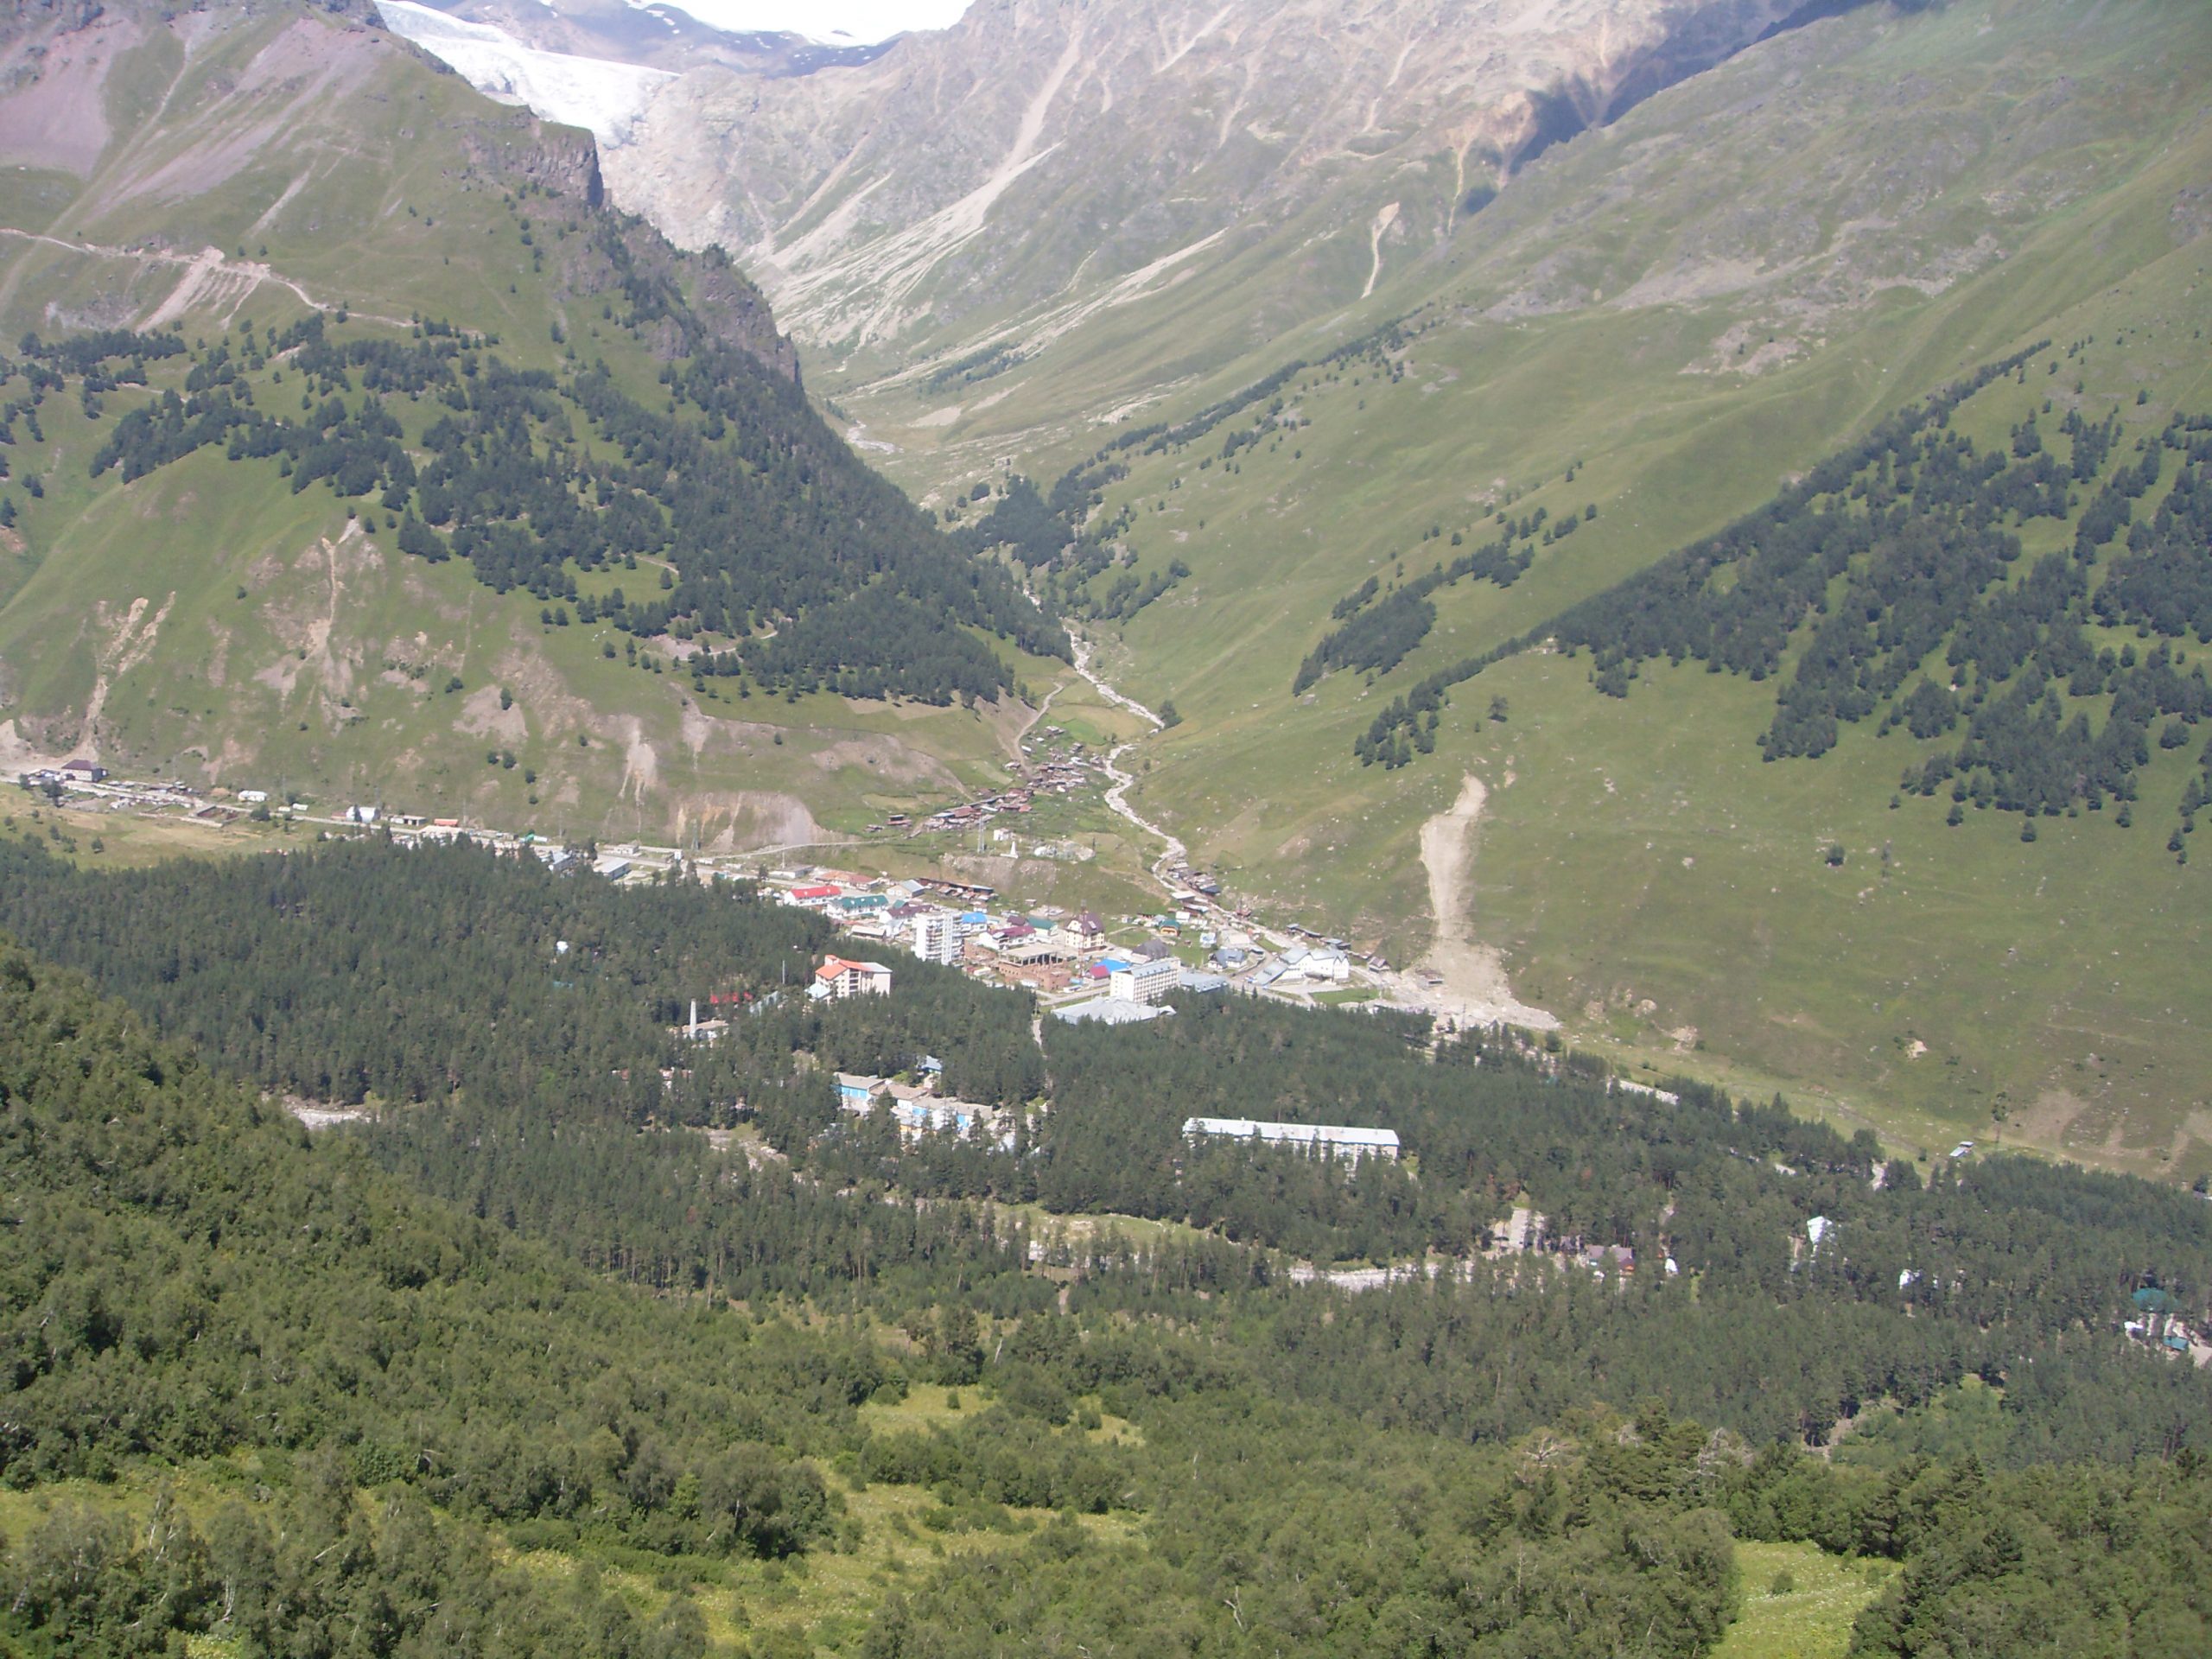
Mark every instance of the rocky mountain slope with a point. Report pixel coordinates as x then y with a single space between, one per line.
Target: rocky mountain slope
1037 163
333 404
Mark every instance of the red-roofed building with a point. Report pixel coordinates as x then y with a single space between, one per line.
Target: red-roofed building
838 978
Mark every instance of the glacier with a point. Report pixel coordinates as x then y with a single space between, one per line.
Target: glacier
605 98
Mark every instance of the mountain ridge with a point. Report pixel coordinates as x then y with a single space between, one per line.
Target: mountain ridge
411 254
856 194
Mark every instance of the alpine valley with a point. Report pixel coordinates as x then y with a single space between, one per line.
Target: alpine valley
1281 348
1183 829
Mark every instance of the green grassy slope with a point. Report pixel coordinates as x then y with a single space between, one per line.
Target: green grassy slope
1688 309
206 622
1798 1603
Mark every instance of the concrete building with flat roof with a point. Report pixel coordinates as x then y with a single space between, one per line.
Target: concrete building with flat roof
1146 982
839 978
1335 1140
1110 1011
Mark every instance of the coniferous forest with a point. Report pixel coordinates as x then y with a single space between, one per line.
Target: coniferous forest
787 559
1890 586
528 1303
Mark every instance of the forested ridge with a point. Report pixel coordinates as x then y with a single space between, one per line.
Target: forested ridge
184 1279
763 538
546 1089
1478 1464
440 978
1891 587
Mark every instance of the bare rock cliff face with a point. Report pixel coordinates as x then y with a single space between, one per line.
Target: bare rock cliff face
1045 154
720 302
521 148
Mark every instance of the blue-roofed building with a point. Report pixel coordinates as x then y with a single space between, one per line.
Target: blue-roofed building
858 1094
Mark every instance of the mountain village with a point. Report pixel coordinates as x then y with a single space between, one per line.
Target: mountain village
1080 964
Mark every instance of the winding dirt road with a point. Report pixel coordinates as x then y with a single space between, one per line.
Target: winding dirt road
1117 794
1474 988
205 275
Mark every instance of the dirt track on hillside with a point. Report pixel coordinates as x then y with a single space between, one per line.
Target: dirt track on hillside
1475 990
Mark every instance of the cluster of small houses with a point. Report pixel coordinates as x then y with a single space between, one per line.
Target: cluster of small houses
82 777
1065 959
218 803
2158 1326
1063 772
70 774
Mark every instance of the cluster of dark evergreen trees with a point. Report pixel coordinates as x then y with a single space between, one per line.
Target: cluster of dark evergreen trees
2043 1561
305 1571
1062 539
90 354
1889 578
818 573
1913 526
1374 638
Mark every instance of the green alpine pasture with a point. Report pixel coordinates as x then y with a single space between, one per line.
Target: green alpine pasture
1666 319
